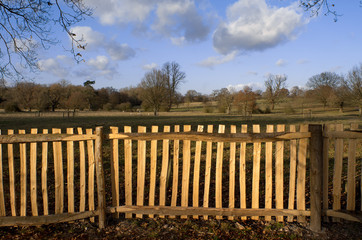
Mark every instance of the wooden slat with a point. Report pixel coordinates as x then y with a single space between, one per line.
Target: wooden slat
210 129
58 174
29 138
23 171
186 170
256 172
325 190
244 129
218 177
301 172
101 186
269 172
141 170
2 197
11 175
115 170
292 172
351 176
33 188
153 168
196 184
91 172
176 152
164 168
82 173
343 135
128 170
337 174
44 175
70 172
279 169
232 172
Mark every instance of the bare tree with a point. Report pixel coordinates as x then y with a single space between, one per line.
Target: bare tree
174 77
275 85
28 24
353 82
225 99
245 100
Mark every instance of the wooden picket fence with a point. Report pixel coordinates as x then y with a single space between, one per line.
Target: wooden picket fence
289 173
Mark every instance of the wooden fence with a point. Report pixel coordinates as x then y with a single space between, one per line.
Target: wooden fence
288 173
33 149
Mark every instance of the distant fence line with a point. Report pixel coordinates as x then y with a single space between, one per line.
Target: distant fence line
284 173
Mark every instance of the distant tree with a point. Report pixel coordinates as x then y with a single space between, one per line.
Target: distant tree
245 100
25 94
275 88
224 99
154 90
40 98
77 98
353 82
56 95
174 77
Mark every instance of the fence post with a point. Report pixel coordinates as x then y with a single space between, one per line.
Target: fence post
316 170
100 178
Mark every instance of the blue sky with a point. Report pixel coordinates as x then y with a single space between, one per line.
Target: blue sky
218 44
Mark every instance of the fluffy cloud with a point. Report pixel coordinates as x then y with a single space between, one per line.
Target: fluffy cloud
281 63
91 38
213 61
253 25
120 51
149 66
101 66
54 66
253 85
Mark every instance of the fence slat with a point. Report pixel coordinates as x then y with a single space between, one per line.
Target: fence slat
218 177
176 153
23 169
115 170
292 172
153 167
82 172
301 172
128 170
256 172
91 172
268 172
210 129
232 172
279 169
186 170
58 174
141 170
44 175
101 188
196 184
244 129
11 175
351 177
337 174
327 128
2 197
70 172
33 188
164 168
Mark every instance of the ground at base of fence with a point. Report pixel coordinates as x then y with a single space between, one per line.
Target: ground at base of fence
183 229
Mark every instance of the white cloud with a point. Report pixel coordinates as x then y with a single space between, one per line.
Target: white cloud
253 25
101 62
53 66
149 66
101 66
254 86
281 63
213 61
91 38
120 51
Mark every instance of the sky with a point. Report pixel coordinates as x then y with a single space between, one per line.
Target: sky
218 44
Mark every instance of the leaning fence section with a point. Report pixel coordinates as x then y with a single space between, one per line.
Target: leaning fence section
237 172
48 177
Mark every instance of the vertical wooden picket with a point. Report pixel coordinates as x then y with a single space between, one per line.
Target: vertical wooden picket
141 170
269 172
232 172
115 170
101 191
82 173
301 172
23 177
176 153
256 172
351 176
70 172
196 184
218 177
279 169
11 175
2 197
210 129
91 172
164 168
244 129
337 174
128 170
293 171
186 170
58 174
153 168
33 188
327 128
44 174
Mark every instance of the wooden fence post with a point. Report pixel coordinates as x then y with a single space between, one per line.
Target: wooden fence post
100 178
316 170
